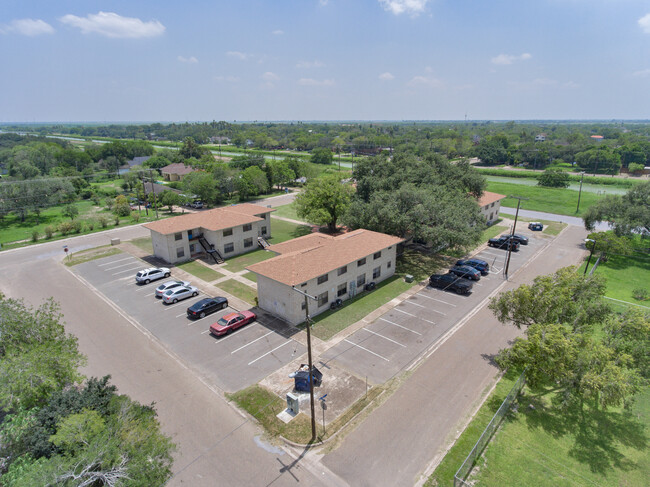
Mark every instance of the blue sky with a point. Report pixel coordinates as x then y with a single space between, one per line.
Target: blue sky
85 60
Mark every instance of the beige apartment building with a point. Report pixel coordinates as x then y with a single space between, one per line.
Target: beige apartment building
222 233
490 204
323 266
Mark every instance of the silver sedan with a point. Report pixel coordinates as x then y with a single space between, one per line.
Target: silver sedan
160 290
179 293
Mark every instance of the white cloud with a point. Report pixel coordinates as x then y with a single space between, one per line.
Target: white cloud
504 59
425 81
277 32
110 24
642 74
315 82
386 76
240 55
229 79
310 64
411 7
189 60
323 2
269 76
28 27
644 23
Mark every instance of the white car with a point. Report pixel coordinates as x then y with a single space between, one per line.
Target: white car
160 290
152 274
178 293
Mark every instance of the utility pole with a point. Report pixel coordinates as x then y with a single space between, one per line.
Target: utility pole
144 195
310 363
582 176
519 198
153 190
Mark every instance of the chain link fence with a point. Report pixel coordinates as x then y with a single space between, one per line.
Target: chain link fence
465 469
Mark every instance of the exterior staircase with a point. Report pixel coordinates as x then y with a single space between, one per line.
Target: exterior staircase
209 248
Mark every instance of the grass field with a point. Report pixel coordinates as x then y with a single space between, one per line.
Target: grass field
236 288
283 231
239 263
199 270
544 446
286 211
143 243
550 200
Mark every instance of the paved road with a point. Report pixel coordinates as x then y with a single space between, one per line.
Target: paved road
394 445
217 445
540 215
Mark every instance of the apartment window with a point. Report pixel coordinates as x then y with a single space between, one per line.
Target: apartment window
390 264
492 206
263 230
342 270
248 227
491 215
229 247
180 252
248 242
376 272
227 232
322 279
377 255
361 280
361 262
192 249
342 289
322 299
303 306
178 236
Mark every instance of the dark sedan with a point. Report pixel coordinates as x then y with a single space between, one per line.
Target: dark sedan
451 282
478 264
205 306
466 271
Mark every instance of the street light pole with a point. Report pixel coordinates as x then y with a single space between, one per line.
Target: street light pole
310 363
593 246
580 192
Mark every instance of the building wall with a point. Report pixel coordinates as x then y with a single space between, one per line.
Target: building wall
491 211
161 246
281 300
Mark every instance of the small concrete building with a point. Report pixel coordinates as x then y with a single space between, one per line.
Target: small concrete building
222 232
175 171
320 265
490 204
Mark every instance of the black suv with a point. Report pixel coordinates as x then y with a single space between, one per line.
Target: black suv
522 239
451 282
478 264
504 242
206 306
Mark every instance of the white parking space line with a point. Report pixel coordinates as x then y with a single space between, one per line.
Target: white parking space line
250 343
152 294
224 338
434 299
118 266
114 261
385 338
400 326
200 319
491 254
204 332
436 311
128 270
415 304
267 353
429 321
172 306
405 312
362 348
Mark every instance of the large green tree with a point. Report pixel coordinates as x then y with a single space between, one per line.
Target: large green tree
626 214
553 178
321 155
324 201
201 184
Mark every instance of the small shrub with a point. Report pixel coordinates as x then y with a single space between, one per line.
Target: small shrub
110 202
86 194
117 220
103 221
90 224
77 226
641 294
96 199
65 227
135 216
48 232
636 169
35 235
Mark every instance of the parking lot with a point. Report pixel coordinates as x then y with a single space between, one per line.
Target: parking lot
232 362
381 349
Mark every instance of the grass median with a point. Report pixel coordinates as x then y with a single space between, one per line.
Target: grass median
239 289
199 270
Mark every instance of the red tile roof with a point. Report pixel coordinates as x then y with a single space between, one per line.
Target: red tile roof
313 255
217 219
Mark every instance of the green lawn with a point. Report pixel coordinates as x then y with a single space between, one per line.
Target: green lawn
329 323
144 243
283 231
239 263
199 270
544 446
242 291
250 276
550 200
286 211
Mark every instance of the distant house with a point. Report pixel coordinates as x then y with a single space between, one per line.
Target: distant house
135 162
490 204
175 171
598 138
222 233
323 266
540 138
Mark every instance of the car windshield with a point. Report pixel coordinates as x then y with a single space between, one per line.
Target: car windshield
140 274
222 322
168 292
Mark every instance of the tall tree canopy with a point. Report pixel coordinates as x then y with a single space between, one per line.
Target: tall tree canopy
324 201
626 214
